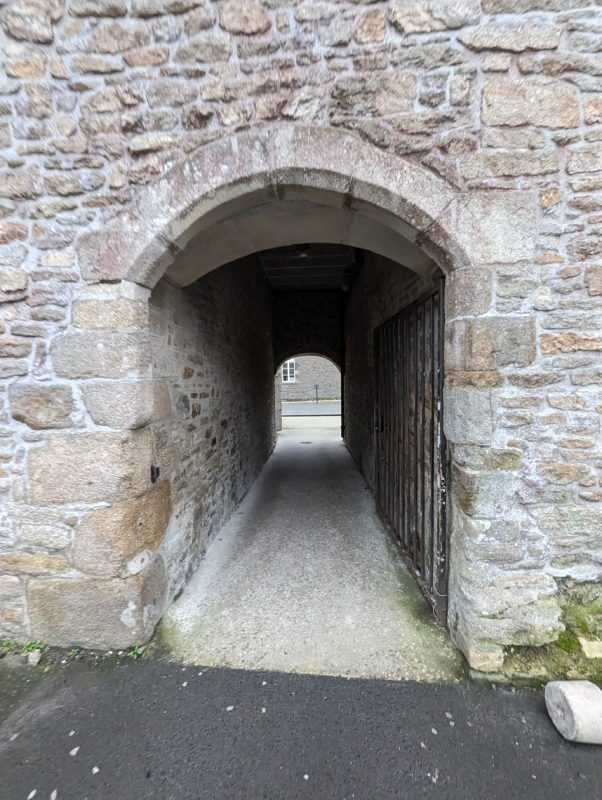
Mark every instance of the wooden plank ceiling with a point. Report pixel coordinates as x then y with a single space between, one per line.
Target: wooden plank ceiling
304 267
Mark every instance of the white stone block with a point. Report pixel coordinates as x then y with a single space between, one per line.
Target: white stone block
575 708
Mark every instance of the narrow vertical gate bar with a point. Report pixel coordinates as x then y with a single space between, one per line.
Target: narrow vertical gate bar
427 444
442 554
398 464
410 446
406 423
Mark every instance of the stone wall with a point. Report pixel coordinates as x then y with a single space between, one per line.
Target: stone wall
308 322
309 371
218 376
477 133
98 528
381 290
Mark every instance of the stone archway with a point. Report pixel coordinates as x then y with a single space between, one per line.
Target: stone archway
347 191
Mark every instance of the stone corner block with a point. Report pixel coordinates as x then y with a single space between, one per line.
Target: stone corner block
89 467
467 415
124 405
501 341
483 494
490 342
106 539
481 656
65 611
468 292
496 226
96 354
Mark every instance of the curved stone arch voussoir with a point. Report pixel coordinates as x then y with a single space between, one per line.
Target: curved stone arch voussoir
323 352
273 164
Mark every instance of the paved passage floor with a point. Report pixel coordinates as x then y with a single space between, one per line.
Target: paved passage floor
304 578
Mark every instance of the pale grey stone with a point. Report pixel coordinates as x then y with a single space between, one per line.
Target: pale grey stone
467 415
575 708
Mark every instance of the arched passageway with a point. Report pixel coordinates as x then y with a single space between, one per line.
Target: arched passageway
173 347
303 575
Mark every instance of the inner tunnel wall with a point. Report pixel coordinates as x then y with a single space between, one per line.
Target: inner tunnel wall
212 349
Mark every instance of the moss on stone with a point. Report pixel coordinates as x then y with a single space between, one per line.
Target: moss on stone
563 659
583 618
582 607
568 642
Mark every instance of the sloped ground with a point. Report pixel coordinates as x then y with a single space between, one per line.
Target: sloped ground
304 578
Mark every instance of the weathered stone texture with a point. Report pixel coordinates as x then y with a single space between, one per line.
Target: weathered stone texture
371 26
40 406
26 563
497 101
425 16
217 427
106 539
32 20
491 342
530 101
205 48
513 36
115 37
122 405
243 16
100 355
116 314
468 415
89 467
65 611
98 8
374 96
498 226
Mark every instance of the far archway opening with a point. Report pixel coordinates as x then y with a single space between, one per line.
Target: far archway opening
308 390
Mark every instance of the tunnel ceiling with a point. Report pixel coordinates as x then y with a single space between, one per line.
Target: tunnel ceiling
308 266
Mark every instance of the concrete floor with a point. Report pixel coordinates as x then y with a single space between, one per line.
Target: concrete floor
304 578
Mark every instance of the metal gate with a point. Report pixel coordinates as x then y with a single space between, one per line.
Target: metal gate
410 446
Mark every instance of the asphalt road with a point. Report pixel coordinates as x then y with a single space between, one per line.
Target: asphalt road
310 409
155 730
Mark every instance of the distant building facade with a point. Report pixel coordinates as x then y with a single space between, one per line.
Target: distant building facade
308 377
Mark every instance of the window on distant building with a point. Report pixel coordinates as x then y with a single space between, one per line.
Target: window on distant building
288 371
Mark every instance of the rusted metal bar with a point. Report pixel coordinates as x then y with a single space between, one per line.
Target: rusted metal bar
411 477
